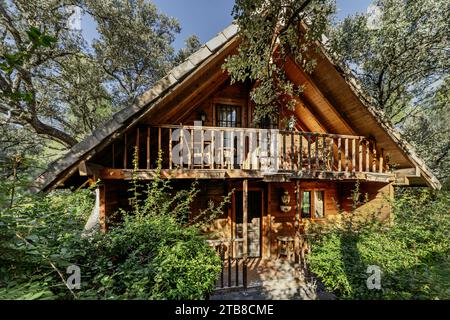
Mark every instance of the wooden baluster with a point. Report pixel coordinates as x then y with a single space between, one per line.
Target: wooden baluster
353 155
250 151
229 262
202 146
339 155
374 159
367 157
222 152
170 148
332 155
317 151
300 153
181 147
360 156
148 148
346 154
212 158
381 161
258 147
309 152
324 145
292 151
232 149
241 151
283 155
191 151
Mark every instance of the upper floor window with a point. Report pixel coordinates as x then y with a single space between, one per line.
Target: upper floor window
313 204
268 122
228 116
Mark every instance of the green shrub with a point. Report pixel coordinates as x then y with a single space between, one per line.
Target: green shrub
413 253
154 252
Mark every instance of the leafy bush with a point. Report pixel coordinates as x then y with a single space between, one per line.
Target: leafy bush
153 253
412 253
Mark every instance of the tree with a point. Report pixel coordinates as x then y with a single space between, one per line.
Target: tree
134 45
54 85
429 132
271 30
398 52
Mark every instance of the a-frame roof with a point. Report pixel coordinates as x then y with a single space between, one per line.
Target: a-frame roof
213 51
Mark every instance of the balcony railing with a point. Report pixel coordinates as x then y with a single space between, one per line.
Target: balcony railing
267 151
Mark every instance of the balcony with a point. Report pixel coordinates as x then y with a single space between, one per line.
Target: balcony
216 152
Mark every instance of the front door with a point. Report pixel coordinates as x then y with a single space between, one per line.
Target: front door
254 216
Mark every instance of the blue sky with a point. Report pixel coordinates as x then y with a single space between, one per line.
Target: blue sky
206 18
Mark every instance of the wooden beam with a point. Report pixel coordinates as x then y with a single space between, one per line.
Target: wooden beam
244 218
102 207
298 76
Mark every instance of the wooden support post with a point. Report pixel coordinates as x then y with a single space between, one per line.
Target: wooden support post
324 145
245 218
102 207
269 219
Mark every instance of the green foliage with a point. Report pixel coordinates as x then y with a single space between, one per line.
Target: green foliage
270 31
154 252
55 84
398 53
413 253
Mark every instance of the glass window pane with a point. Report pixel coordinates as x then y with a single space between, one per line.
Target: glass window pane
228 116
306 204
318 204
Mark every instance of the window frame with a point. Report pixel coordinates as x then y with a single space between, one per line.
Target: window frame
312 207
237 107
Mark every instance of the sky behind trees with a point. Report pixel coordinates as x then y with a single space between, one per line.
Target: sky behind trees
206 18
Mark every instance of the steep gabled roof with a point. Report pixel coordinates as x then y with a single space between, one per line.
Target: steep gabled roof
65 166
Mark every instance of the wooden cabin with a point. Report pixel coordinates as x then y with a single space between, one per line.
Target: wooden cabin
282 176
